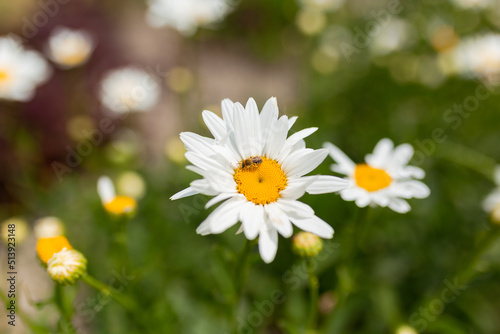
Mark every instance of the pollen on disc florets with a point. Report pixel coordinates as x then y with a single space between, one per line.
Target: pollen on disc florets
260 179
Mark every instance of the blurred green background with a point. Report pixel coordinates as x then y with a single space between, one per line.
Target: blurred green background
398 85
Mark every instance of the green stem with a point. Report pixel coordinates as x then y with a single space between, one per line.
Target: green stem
62 306
107 290
240 275
314 294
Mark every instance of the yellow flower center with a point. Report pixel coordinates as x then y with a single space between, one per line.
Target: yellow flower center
260 182
4 77
120 205
73 59
47 247
371 179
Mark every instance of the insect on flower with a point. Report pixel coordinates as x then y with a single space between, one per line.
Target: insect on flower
251 162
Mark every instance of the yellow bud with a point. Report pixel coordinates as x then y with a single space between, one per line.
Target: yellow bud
306 244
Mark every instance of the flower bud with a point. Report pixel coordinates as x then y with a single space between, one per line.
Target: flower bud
67 266
306 244
405 329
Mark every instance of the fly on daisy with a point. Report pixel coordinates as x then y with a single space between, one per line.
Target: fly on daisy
385 179
258 172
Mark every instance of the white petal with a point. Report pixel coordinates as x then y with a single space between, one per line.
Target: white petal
268 243
279 220
323 184
268 118
276 138
350 194
293 140
184 193
195 142
296 188
411 171
215 124
304 161
227 113
344 164
362 200
491 201
381 154
225 215
252 217
399 205
411 188
295 208
106 189
314 225
380 199
291 121
219 198
402 155
202 186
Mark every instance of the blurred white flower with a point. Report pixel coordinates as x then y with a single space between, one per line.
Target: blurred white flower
186 15
48 227
113 204
21 71
69 48
259 173
385 179
491 203
394 36
470 4
129 89
478 56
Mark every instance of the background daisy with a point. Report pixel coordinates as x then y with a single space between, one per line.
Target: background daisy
70 48
385 179
259 173
21 71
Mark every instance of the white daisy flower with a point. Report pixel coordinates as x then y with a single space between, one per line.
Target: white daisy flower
478 56
491 203
259 173
129 89
186 15
385 179
21 71
70 48
114 204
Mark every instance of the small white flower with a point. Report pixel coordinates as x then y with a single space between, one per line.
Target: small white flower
70 48
471 4
21 71
48 227
129 89
394 36
259 173
478 56
491 203
66 266
115 205
186 15
385 179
